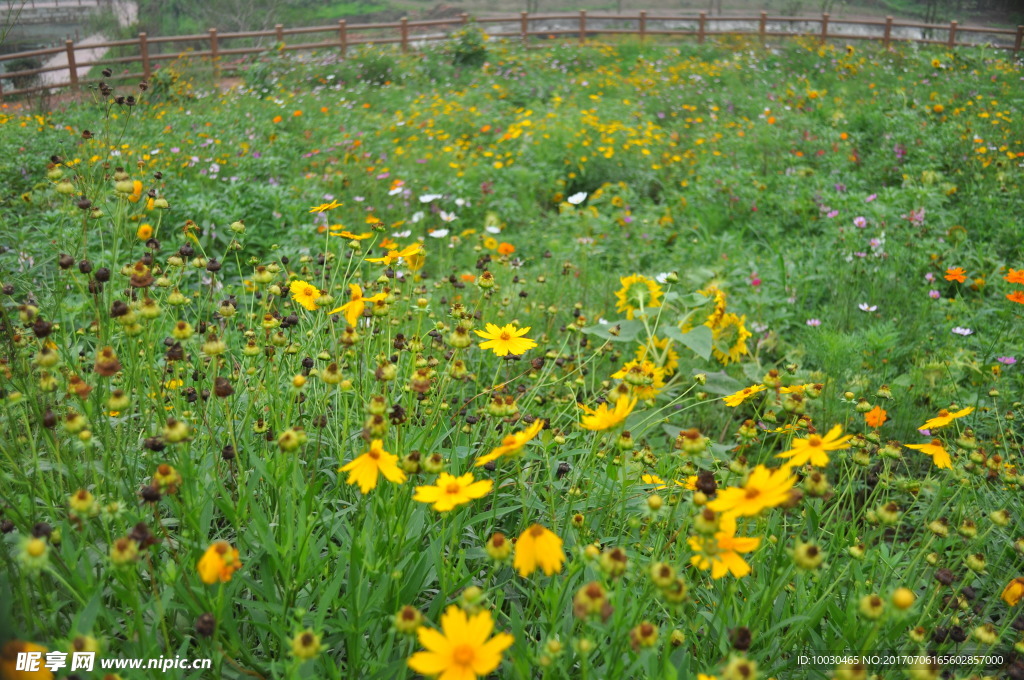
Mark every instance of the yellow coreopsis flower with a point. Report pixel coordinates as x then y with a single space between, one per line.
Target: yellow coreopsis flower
1013 592
324 207
450 491
637 292
218 563
512 443
505 340
945 418
394 255
764 488
721 553
938 453
462 651
365 469
9 661
353 309
604 418
305 294
737 398
815 448
538 547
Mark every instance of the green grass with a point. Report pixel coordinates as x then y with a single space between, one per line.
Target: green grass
764 189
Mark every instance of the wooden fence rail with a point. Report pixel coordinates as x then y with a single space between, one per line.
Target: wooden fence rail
411 34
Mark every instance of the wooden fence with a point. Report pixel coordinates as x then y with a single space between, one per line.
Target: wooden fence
148 52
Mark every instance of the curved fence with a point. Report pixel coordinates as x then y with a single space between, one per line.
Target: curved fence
70 66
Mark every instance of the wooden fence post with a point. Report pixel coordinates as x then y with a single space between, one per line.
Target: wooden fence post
524 28
952 34
279 33
1019 40
824 27
343 37
763 27
583 25
464 18
214 52
144 52
887 38
404 29
643 25
72 68
700 27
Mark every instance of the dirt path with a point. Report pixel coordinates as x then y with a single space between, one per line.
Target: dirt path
127 14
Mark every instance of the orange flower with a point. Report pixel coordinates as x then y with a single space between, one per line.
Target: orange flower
1016 296
277 119
506 248
876 417
957 274
218 563
1015 276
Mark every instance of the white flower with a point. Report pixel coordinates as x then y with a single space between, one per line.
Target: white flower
401 234
460 202
427 198
865 307
416 217
439 233
492 229
962 331
394 192
662 277
577 198
448 217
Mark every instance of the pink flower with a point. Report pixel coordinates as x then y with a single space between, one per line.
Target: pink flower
870 198
755 280
934 294
929 276
860 222
814 322
832 213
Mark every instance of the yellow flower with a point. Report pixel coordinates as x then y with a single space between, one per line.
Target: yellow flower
814 449
729 338
218 563
1013 592
364 469
690 484
306 645
604 418
764 488
719 311
324 207
643 377
305 294
538 547
638 292
661 353
9 661
353 309
450 491
722 552
394 255
462 651
505 340
737 398
796 389
344 233
934 449
512 443
945 418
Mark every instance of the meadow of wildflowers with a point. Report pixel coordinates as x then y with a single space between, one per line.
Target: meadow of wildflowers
608 361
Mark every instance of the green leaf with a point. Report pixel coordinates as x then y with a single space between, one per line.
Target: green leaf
616 331
698 339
